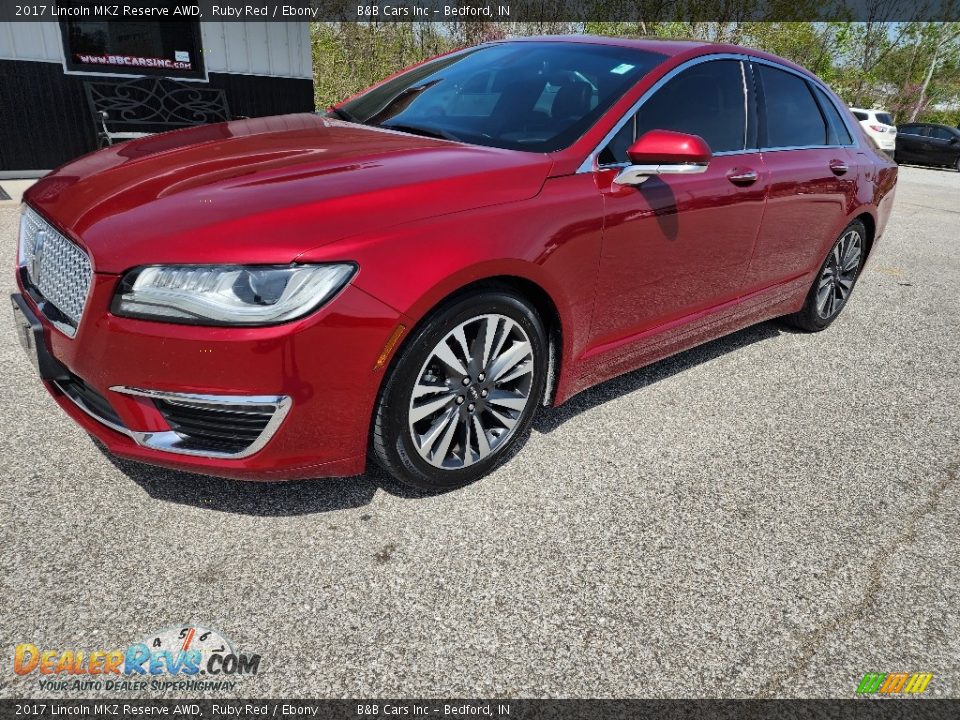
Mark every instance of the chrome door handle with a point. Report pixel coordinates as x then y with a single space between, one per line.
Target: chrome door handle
739 176
838 167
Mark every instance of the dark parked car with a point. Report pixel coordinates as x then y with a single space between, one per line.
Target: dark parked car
928 144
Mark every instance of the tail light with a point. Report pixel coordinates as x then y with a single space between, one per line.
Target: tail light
878 128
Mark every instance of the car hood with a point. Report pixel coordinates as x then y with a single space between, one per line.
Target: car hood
265 190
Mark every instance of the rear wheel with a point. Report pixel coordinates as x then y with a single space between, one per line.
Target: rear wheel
460 397
835 281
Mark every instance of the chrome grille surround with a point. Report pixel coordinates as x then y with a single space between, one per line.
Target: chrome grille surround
56 268
273 407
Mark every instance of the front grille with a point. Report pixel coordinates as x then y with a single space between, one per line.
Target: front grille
226 428
88 398
55 268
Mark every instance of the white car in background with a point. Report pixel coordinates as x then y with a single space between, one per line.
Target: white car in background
878 125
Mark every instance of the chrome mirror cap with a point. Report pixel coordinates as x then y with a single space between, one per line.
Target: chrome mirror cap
638 174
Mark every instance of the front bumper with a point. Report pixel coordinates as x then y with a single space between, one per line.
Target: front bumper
312 382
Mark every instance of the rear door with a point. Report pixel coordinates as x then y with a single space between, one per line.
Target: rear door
805 145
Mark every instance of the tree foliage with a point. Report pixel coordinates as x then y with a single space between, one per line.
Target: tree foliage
910 69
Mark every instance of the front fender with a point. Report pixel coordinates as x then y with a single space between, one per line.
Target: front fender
552 241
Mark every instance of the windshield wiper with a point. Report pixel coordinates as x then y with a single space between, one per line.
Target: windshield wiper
399 102
421 130
342 115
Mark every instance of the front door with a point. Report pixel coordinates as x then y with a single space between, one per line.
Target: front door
678 245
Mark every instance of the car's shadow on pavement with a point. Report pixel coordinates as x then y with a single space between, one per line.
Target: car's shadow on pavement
549 419
268 499
306 497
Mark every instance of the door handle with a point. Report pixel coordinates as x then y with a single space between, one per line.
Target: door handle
838 167
742 176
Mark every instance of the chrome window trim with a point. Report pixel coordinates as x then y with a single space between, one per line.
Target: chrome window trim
746 106
170 441
591 164
801 147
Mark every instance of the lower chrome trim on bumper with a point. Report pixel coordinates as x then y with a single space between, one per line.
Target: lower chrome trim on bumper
177 443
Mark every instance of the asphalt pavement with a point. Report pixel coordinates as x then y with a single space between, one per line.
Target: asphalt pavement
772 514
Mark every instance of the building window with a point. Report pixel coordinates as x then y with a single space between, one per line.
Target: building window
171 48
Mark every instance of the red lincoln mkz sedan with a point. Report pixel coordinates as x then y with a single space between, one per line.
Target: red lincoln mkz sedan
411 275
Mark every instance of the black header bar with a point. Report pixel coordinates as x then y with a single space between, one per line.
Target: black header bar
385 11
493 709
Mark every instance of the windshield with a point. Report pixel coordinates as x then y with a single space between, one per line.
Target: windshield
534 96
885 118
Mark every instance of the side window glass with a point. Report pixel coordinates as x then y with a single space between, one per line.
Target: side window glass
839 133
706 100
793 116
860 115
941 133
616 150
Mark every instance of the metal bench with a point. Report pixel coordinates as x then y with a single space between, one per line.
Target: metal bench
140 107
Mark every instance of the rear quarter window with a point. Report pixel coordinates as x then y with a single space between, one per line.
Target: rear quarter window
839 133
793 118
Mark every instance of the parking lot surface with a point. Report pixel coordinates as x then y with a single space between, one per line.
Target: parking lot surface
771 514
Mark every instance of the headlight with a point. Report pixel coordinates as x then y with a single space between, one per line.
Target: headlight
228 294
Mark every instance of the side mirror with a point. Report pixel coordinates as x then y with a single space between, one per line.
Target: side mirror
664 152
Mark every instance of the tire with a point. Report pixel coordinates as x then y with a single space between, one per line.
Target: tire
834 282
435 446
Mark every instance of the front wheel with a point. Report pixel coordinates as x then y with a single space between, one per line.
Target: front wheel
461 394
834 282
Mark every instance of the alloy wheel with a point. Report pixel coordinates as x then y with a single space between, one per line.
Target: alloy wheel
471 392
839 274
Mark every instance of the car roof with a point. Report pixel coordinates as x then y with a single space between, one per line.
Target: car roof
678 49
664 47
